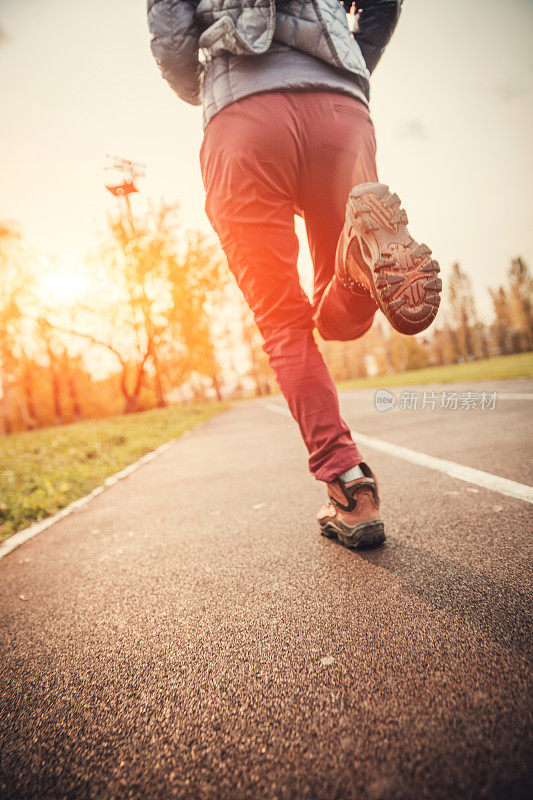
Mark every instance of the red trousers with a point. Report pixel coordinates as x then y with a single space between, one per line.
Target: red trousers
264 159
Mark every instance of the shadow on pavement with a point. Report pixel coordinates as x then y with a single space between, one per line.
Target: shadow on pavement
498 611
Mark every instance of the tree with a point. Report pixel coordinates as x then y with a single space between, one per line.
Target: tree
153 312
442 345
463 311
197 278
27 383
259 370
15 280
502 319
46 335
521 294
407 353
513 312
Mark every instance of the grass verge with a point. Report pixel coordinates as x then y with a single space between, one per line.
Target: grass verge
43 471
519 365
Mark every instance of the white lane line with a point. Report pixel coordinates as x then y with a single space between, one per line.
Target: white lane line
486 480
277 409
520 491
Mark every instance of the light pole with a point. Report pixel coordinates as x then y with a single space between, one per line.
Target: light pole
130 171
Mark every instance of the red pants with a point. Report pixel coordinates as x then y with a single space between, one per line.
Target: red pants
264 159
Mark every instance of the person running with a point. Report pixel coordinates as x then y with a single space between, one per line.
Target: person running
287 130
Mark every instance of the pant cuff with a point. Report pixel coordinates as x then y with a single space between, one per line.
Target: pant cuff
337 464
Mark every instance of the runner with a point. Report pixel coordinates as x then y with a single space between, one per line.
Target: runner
285 90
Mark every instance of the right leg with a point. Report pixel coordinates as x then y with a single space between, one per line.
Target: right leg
251 160
342 154
377 261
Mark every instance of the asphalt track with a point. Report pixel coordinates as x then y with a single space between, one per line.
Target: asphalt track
189 634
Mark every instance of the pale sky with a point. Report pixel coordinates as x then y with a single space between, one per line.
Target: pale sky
452 103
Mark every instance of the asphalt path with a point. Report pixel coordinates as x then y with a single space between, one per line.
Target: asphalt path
189 634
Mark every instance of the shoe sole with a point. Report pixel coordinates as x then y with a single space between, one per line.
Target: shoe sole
360 537
402 274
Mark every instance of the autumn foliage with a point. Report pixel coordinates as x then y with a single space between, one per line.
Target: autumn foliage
163 321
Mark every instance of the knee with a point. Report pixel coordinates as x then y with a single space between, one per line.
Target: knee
290 343
332 332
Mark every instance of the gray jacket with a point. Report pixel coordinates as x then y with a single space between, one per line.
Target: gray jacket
217 51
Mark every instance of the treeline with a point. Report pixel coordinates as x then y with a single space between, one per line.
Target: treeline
163 322
147 324
457 335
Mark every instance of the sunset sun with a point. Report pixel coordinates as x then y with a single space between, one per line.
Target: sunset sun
64 285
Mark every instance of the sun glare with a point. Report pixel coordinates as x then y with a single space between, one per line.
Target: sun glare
63 286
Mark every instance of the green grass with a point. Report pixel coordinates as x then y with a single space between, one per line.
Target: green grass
519 365
43 471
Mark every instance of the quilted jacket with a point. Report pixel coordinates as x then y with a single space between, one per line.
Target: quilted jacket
217 51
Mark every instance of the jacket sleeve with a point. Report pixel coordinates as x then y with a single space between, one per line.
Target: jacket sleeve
174 46
376 26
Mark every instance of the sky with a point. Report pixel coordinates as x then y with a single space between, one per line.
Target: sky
452 103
